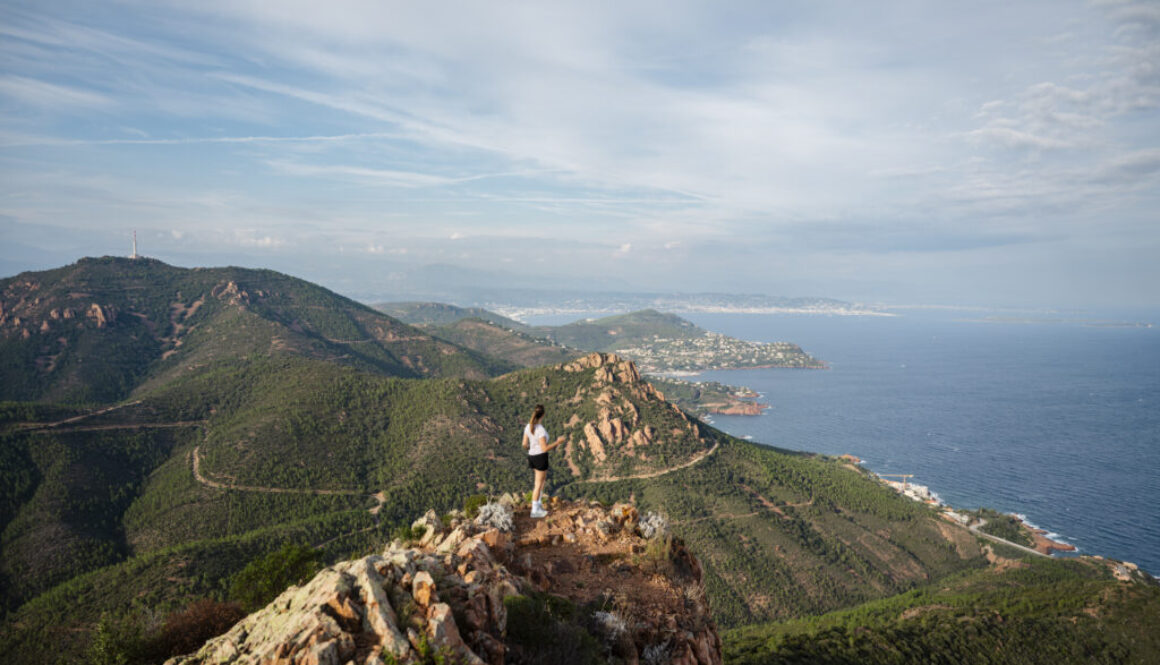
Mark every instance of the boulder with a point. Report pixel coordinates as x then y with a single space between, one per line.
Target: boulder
423 589
443 635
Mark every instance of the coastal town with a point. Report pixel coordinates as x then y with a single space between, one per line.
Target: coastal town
661 355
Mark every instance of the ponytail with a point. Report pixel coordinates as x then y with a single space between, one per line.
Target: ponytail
537 413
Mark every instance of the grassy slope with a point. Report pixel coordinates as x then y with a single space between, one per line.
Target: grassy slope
1042 611
513 346
441 314
787 535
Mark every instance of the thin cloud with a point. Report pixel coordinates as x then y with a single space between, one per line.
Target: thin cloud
29 141
51 95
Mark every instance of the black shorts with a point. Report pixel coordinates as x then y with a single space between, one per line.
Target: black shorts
538 462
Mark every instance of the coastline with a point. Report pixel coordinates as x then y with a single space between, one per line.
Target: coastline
1043 541
1043 538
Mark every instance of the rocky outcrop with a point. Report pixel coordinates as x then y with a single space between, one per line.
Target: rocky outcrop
448 596
618 430
100 315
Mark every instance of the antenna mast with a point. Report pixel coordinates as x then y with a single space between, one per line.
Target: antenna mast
134 256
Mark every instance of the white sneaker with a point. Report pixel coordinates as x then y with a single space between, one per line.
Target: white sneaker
538 510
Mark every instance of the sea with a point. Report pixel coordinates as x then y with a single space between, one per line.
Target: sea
1053 418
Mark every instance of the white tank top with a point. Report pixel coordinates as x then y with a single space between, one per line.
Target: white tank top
537 440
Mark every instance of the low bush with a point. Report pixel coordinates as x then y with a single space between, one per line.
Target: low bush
185 631
264 578
545 629
472 505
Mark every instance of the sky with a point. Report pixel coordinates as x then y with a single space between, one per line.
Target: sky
901 152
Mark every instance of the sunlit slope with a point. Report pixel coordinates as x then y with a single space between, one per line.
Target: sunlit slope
622 330
785 534
100 328
311 425
1034 611
516 347
442 314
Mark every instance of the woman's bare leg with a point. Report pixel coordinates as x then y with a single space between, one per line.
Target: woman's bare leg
541 476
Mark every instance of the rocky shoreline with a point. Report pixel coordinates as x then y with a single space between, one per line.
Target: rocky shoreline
1043 544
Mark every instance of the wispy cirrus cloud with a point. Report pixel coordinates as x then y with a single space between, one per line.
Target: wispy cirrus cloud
44 95
664 133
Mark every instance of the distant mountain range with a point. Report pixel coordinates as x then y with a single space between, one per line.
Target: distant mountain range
163 427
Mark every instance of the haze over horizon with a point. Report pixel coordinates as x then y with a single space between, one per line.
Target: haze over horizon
996 153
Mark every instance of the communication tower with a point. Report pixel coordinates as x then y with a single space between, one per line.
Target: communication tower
134 255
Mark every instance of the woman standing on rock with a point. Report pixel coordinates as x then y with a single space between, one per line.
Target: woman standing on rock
536 443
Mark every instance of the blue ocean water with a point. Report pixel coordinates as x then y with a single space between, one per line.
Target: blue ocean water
1059 422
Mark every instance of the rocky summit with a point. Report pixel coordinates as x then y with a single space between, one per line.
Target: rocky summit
589 583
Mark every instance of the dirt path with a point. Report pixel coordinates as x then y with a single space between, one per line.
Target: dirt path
269 490
74 419
379 497
100 428
721 516
655 474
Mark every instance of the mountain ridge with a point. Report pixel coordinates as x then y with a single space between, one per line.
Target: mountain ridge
147 316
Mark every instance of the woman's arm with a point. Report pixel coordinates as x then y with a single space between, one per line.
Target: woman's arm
525 441
555 443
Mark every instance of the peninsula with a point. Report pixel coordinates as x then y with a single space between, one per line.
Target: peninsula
662 343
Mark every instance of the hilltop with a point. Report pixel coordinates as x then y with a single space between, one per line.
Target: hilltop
103 327
441 314
513 346
487 333
586 585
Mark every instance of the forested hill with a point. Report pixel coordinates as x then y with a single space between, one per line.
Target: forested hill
102 327
623 330
442 314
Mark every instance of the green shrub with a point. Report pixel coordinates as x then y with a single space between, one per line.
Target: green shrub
263 579
410 533
472 504
116 642
546 629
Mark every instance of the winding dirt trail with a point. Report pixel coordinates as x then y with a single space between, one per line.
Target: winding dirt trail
269 490
719 516
379 497
654 474
100 428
